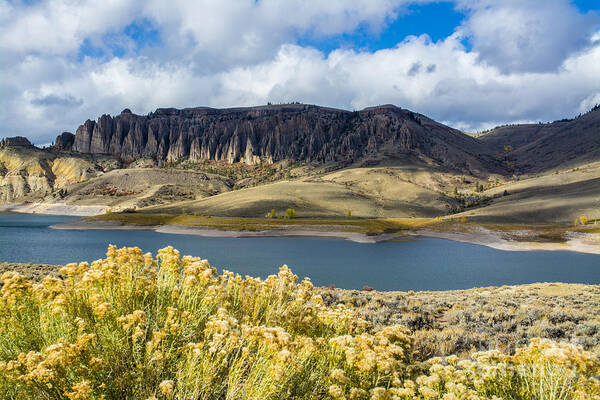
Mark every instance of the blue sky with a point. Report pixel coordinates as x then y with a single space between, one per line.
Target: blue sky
469 63
437 20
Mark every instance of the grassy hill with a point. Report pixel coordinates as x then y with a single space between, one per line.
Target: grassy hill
365 192
558 197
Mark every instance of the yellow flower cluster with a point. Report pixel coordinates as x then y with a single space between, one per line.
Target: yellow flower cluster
137 327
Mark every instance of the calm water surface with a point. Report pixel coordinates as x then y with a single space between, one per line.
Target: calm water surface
421 264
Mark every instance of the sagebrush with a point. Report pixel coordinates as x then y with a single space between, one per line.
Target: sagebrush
136 327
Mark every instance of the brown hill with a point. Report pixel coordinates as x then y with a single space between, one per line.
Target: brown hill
542 147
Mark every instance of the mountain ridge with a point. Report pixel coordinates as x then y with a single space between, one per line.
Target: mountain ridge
275 133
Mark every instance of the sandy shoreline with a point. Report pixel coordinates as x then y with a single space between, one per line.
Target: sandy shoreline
53 209
208 232
483 237
286 231
494 240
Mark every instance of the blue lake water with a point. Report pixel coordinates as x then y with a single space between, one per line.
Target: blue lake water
420 264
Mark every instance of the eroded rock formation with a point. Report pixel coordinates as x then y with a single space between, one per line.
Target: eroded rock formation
275 133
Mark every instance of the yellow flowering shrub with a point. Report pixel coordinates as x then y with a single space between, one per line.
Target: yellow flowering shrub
132 326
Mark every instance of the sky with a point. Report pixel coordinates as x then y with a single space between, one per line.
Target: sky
472 64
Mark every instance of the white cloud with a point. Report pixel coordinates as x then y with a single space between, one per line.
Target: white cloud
461 90
532 35
217 34
58 27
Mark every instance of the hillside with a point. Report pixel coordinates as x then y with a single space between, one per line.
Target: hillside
559 198
380 162
383 191
141 187
542 147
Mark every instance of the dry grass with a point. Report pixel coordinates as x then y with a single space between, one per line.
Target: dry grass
32 271
366 225
366 192
464 321
554 198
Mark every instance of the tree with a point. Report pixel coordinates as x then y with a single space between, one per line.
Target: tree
349 214
273 213
290 213
455 191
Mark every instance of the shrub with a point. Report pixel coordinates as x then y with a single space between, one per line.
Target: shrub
136 327
290 213
132 326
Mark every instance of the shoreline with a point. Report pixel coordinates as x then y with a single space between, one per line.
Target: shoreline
484 237
53 209
208 232
494 240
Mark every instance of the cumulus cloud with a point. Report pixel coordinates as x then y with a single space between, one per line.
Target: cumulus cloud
59 27
527 36
225 54
460 90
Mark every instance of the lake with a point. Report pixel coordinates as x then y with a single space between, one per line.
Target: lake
419 264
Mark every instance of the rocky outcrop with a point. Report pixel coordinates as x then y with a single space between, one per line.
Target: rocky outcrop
283 132
64 141
17 141
28 173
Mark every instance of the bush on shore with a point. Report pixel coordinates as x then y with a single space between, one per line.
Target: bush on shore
136 327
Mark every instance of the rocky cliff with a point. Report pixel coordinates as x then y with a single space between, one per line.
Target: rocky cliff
282 132
17 141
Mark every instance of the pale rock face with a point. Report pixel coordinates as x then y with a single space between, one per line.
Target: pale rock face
29 173
12 187
276 133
